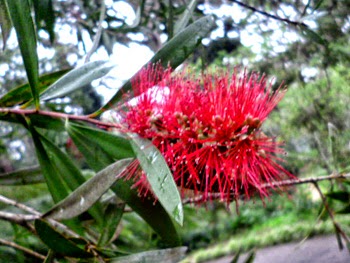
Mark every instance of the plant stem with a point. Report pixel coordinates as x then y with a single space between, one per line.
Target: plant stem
28 209
273 185
294 23
24 249
60 115
331 215
306 180
23 219
19 219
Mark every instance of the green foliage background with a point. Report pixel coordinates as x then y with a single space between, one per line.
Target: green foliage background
311 56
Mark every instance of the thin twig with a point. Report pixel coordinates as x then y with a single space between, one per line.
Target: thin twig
284 183
11 202
23 219
294 23
98 33
331 215
19 219
24 249
60 115
306 180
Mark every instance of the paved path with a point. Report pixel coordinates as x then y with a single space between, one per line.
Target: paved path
322 249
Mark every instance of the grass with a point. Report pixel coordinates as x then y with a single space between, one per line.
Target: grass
281 229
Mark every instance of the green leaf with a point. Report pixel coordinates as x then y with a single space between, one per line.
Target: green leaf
47 122
164 255
71 175
45 16
32 175
57 187
236 257
110 253
312 35
5 22
98 155
37 120
58 242
100 148
172 54
185 17
76 79
20 13
342 196
22 93
344 210
345 181
88 193
159 176
68 171
183 44
317 5
113 214
250 258
152 212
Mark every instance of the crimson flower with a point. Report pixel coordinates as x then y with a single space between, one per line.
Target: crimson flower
209 130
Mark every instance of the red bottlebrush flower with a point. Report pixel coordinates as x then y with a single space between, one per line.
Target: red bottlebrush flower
209 130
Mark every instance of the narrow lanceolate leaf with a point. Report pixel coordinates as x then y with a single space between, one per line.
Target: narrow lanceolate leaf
184 43
70 174
20 13
5 23
250 258
159 176
47 122
57 188
164 255
68 171
236 257
153 213
32 175
106 144
312 35
88 193
58 242
45 16
113 214
23 94
76 79
172 54
344 210
342 196
185 17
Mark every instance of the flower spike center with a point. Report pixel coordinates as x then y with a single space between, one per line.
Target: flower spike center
209 130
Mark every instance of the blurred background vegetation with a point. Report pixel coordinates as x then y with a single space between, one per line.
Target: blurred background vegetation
304 44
